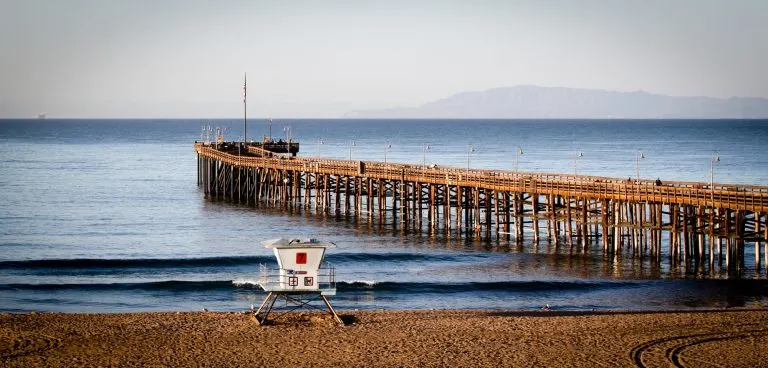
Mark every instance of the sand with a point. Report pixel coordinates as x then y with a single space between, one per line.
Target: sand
733 338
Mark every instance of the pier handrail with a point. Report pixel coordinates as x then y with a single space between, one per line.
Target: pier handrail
731 196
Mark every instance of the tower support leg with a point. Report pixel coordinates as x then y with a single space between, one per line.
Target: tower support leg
262 313
333 312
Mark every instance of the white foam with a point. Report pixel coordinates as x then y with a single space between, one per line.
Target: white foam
364 282
245 282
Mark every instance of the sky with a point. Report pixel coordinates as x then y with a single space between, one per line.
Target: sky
320 59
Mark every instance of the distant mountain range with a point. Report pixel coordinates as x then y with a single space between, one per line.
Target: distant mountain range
525 102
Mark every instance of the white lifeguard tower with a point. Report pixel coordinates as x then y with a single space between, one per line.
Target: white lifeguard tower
301 274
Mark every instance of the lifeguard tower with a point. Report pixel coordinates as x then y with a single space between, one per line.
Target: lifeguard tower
302 275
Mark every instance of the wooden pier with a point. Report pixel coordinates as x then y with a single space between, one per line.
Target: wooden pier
701 223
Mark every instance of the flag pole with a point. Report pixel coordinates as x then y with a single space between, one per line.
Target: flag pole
245 109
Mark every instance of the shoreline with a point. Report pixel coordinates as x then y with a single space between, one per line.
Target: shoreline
725 337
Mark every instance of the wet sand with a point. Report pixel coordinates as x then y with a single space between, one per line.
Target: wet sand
733 338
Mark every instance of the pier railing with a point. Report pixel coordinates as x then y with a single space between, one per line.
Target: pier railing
731 196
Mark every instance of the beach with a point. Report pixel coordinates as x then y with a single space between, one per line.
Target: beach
461 338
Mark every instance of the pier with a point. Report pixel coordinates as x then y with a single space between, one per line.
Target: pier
702 223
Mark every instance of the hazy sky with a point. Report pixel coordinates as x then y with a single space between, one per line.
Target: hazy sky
163 58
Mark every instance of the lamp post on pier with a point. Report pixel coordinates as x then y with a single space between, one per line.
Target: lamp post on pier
208 131
387 146
424 148
576 162
245 109
470 151
715 159
352 143
639 157
319 143
518 153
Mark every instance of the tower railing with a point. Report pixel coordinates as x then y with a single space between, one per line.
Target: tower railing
273 279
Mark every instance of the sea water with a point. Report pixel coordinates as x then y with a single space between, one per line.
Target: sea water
105 216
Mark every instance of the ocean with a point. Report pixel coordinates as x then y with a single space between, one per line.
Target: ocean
104 215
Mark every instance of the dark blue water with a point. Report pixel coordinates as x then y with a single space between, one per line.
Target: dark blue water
105 216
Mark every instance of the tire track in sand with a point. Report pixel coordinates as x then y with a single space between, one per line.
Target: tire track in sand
669 350
28 344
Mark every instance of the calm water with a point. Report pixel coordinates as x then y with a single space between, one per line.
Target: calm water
105 216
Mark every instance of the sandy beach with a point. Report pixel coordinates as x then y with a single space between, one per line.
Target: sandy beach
734 338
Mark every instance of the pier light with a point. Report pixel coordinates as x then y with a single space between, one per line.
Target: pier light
518 153
270 129
352 143
220 135
424 148
639 157
470 151
576 162
287 130
319 143
715 159
245 108
387 146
